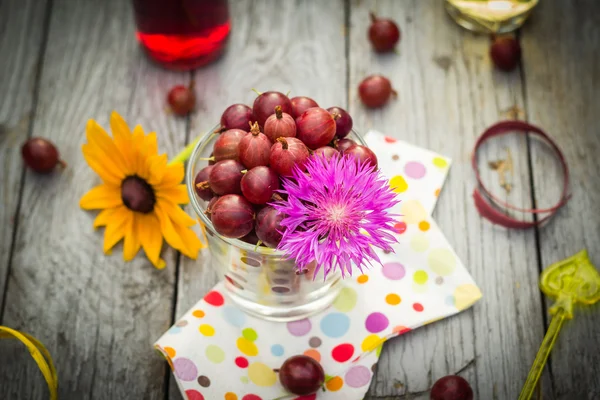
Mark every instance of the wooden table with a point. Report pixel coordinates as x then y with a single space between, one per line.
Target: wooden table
63 62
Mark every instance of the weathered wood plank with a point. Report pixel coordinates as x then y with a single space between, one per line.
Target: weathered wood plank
297 46
21 43
561 58
448 94
97 315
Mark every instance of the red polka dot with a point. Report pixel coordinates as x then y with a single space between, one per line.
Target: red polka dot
214 298
418 307
251 397
400 227
308 397
241 362
400 329
390 139
342 352
194 395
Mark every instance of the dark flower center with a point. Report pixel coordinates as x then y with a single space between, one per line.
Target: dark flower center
137 194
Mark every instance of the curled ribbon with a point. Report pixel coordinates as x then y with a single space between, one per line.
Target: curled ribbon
484 198
39 353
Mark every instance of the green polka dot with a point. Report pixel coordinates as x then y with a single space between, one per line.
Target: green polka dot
420 277
244 379
346 300
215 354
250 334
440 162
378 351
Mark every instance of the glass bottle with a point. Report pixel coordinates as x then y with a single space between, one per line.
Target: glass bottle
182 34
490 16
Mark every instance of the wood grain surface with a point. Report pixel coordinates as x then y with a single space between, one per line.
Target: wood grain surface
562 70
65 61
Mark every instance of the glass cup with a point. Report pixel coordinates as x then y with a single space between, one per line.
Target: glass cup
260 280
182 34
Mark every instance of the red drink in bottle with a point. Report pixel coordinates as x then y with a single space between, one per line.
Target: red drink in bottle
182 34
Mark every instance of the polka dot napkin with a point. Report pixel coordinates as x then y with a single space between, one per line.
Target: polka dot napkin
218 352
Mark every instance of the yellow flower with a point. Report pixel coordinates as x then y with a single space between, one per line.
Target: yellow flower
140 193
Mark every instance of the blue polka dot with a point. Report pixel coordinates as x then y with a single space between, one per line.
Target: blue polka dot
335 325
234 316
450 301
175 329
277 350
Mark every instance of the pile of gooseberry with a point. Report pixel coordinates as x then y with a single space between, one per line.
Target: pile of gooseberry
258 146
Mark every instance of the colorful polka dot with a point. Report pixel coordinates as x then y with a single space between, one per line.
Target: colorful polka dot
342 352
247 347
206 330
198 313
335 325
241 362
389 139
439 280
193 395
412 212
277 350
419 242
358 376
215 354
251 397
185 369
415 170
362 279
203 381
424 226
378 351
371 342
400 227
395 157
175 329
393 270
440 162
334 384
244 379
398 184
181 323
450 301
442 261
346 300
214 298
261 375
400 329
314 342
393 299
234 316
170 352
437 192
376 322
314 354
419 288
420 277
231 396
250 334
465 295
299 328
418 307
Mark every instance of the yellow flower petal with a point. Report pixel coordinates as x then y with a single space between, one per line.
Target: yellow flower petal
151 238
191 241
150 144
157 169
176 213
117 228
103 145
132 241
124 142
107 171
177 194
106 216
167 229
119 127
100 197
173 176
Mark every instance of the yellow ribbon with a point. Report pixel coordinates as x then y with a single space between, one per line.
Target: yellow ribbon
40 355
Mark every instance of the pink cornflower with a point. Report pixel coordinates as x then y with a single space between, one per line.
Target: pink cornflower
335 214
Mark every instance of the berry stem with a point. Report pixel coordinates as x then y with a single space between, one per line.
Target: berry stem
278 112
244 171
336 116
284 143
62 163
256 91
394 93
277 197
254 129
203 185
373 16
